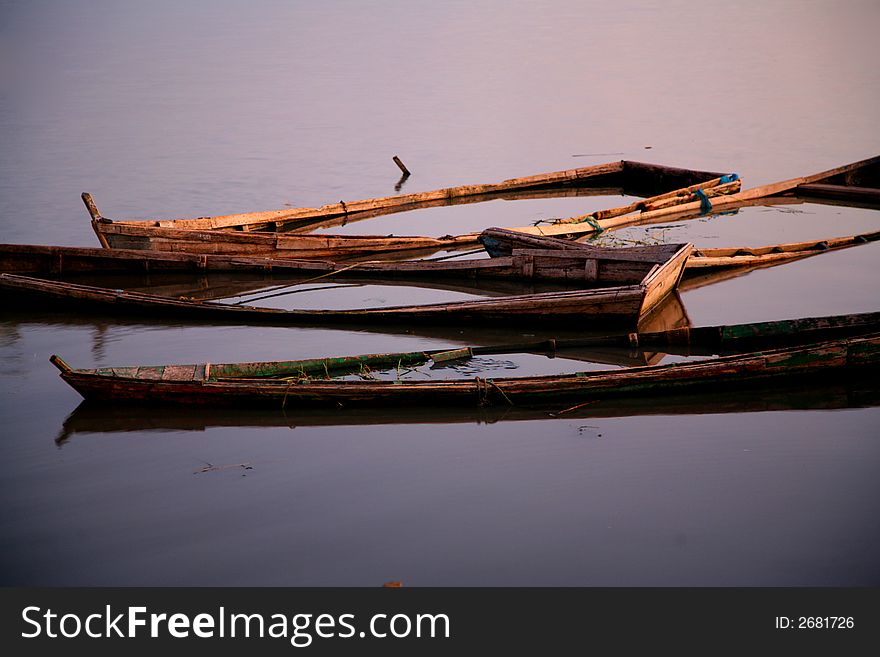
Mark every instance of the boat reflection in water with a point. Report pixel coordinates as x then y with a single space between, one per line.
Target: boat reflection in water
90 419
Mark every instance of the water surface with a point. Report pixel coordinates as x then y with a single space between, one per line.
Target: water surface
177 109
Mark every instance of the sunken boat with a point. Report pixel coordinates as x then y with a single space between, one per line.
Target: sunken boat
279 233
826 348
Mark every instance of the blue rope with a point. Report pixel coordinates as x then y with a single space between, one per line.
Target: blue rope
729 178
590 219
705 205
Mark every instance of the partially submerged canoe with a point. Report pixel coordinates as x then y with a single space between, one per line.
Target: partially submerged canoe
810 185
258 233
498 242
847 346
612 265
621 177
856 185
620 291
501 243
677 194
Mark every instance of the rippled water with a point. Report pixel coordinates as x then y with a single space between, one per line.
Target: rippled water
175 109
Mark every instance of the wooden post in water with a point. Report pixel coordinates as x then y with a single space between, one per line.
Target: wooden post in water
402 166
404 173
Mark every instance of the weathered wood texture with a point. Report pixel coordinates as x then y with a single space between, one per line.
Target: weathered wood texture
849 357
711 188
500 242
634 287
595 265
196 237
619 304
695 208
644 179
279 245
271 217
125 234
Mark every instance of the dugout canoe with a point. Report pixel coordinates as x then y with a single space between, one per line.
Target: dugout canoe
623 290
827 348
260 233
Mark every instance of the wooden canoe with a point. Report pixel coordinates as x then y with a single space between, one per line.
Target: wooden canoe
613 265
807 185
623 289
500 242
621 177
92 418
717 192
849 346
258 233
859 185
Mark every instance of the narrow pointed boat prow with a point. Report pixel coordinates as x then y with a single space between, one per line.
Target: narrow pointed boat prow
92 208
60 363
97 219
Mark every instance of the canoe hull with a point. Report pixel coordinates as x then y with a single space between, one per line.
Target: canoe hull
96 418
649 277
191 385
615 306
276 245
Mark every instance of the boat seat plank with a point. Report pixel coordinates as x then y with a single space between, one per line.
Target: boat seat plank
150 373
179 373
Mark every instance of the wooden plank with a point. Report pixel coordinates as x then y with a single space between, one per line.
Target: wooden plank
711 188
525 263
150 373
662 280
178 372
591 270
648 254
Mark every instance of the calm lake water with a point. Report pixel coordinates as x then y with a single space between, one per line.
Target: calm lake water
175 109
